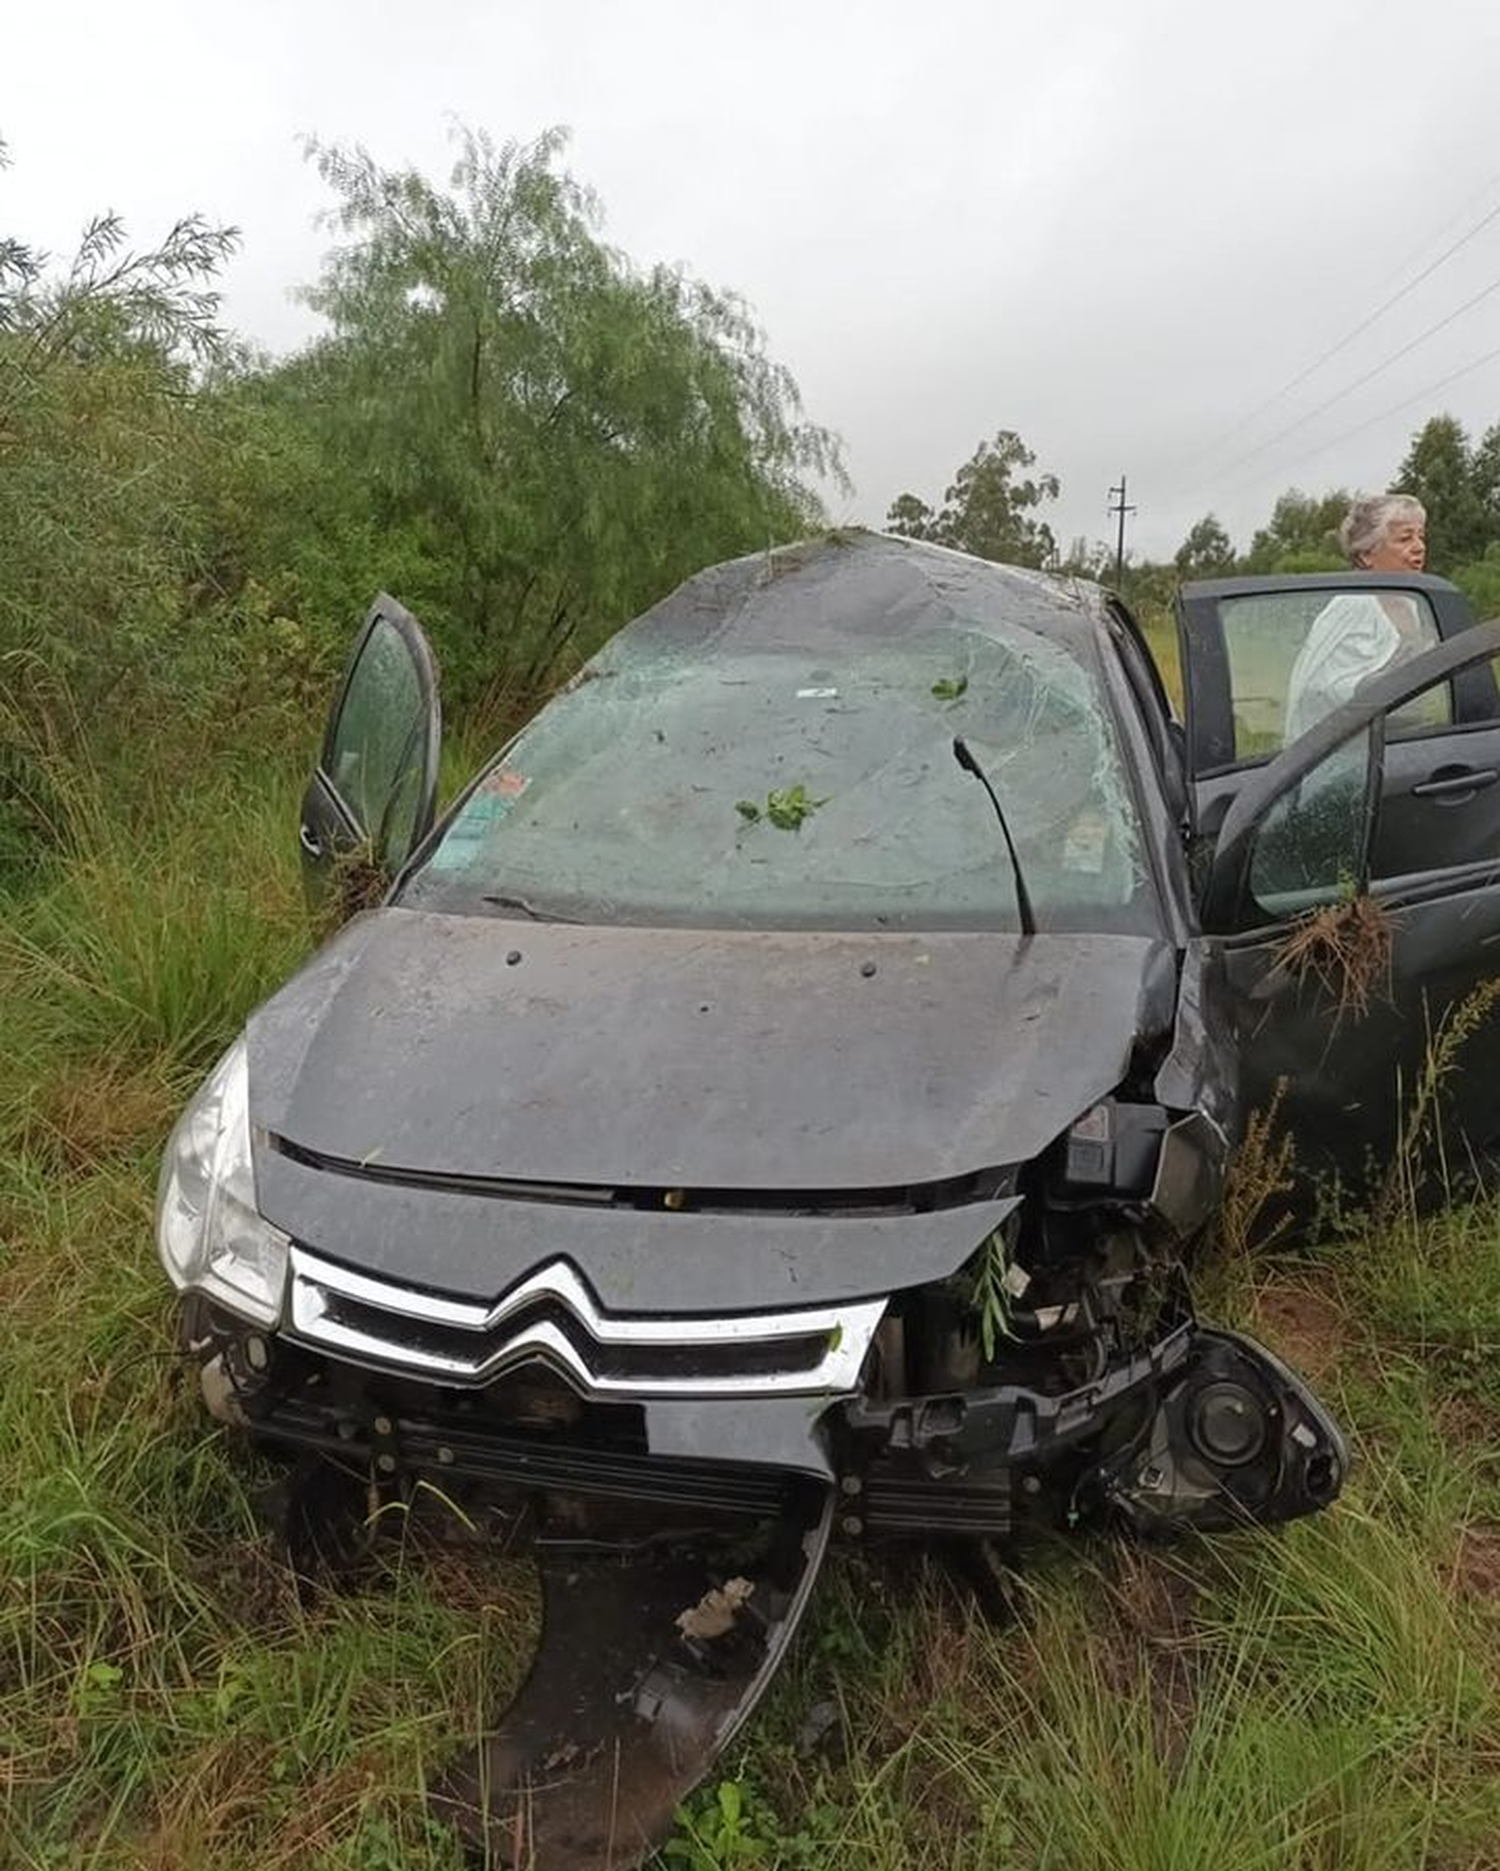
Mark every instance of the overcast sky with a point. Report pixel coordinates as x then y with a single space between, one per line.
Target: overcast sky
1119 229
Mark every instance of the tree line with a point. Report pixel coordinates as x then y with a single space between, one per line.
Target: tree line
995 508
503 420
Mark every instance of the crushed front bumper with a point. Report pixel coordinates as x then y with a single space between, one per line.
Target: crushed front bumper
683 1532
1195 1428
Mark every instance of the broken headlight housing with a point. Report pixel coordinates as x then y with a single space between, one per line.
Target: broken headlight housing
210 1235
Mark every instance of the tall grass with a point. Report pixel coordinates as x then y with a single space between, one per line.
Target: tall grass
164 1698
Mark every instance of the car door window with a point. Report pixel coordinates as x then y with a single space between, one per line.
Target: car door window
1294 656
1311 847
372 796
374 753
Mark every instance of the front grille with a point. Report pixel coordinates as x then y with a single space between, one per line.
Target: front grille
552 1317
621 1362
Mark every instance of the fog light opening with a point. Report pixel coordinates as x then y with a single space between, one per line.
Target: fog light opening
1321 1478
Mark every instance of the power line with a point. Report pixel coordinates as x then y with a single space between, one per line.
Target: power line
1358 331
1359 382
1459 215
1395 299
1395 409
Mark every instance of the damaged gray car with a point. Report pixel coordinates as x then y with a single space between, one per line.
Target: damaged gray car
775 1104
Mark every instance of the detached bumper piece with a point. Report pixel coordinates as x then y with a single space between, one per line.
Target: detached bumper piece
647 1668
658 1639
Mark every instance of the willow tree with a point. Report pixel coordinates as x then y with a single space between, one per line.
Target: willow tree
103 452
562 434
99 357
990 507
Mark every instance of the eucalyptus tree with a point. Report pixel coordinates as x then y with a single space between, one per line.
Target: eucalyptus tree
1206 552
990 508
1301 534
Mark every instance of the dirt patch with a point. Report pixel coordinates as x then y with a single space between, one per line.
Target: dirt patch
1476 1564
1150 1640
86 1114
1468 1421
1306 1328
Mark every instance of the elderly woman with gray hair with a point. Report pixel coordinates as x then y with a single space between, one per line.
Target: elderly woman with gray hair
1360 634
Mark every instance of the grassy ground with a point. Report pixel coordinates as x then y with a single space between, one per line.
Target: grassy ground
1322 1698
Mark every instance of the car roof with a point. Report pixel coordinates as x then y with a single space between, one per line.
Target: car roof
846 590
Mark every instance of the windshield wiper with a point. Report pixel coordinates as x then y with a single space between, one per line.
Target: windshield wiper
970 765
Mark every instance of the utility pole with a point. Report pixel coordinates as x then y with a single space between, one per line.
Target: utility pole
1117 497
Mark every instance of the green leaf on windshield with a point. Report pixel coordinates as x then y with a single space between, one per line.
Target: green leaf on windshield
747 809
787 808
950 688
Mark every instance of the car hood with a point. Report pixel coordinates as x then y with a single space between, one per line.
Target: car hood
464 1047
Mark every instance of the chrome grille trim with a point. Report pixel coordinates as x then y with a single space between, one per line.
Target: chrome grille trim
317 1287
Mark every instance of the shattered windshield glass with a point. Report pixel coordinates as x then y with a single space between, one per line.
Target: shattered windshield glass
711 785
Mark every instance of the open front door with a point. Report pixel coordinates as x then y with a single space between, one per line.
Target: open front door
372 797
1264 659
1338 978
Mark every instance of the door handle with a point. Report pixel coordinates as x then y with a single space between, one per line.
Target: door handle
307 838
1455 783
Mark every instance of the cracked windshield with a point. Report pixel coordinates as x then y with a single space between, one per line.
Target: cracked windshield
773 789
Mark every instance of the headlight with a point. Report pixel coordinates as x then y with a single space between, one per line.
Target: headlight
211 1238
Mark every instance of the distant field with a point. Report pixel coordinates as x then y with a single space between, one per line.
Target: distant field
1324 1699
1161 639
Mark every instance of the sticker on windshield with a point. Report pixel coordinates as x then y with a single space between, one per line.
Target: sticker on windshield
465 837
504 783
1083 847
